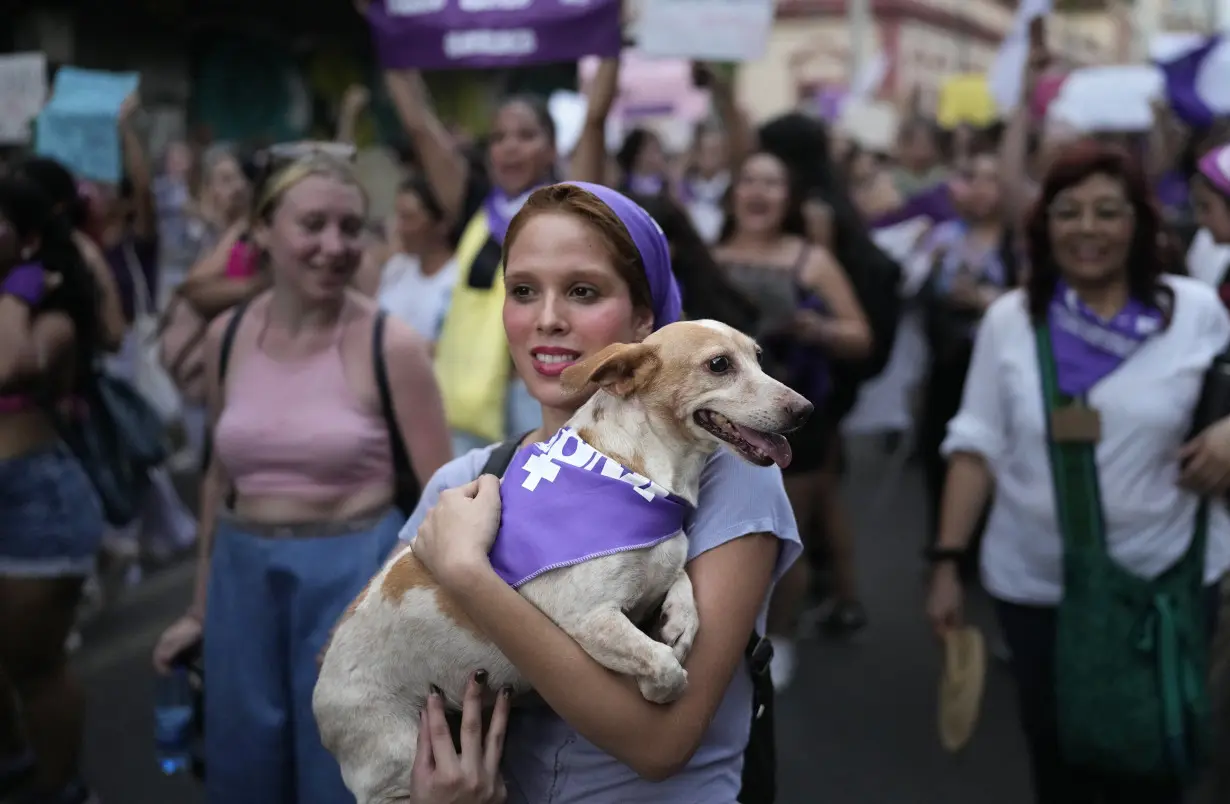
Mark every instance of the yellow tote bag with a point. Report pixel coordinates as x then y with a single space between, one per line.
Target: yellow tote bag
472 364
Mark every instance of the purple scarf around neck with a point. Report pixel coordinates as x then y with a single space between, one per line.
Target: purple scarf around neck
500 209
564 503
1087 347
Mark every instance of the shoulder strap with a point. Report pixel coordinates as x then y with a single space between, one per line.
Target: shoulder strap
1074 469
401 458
1074 473
228 340
500 457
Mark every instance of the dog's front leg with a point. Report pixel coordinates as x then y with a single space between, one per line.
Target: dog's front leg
614 642
680 620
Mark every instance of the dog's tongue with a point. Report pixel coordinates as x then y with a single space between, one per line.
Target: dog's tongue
774 445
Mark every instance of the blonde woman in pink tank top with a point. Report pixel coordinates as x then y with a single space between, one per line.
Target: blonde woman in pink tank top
297 507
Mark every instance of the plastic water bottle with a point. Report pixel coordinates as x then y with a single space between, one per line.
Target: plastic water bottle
173 722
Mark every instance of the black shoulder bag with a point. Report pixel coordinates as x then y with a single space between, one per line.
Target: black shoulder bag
760 756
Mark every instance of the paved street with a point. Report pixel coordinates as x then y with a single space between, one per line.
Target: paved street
858 727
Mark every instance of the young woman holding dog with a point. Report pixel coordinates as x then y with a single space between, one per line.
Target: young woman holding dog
301 439
575 283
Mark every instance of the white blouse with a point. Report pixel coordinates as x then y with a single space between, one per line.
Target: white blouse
1146 407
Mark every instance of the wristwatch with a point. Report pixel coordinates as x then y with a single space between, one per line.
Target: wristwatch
938 555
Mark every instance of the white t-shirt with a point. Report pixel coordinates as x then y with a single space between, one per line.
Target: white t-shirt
1146 406
1206 260
419 300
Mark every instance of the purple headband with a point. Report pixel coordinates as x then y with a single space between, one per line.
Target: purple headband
655 251
1215 166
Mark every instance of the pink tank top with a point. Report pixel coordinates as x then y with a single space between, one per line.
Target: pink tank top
241 262
296 428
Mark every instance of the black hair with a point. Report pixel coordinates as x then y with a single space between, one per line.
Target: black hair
538 107
418 185
58 186
793 222
803 144
633 144
32 212
704 286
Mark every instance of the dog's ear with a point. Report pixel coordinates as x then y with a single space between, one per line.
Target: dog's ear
620 368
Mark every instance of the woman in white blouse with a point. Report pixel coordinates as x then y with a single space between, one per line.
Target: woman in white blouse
1097 364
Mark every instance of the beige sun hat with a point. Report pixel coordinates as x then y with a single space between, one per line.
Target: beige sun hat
961 686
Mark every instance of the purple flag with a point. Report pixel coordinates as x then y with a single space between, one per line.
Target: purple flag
446 34
934 203
564 502
1088 348
1182 77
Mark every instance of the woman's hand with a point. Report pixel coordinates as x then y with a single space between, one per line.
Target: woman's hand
1204 462
183 634
810 327
439 775
945 600
459 530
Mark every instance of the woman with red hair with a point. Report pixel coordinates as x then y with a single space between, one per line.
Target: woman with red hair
1101 550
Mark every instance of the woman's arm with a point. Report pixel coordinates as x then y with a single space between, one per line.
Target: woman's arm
145 218
588 162
967 489
416 399
846 333
740 137
207 287
214 482
110 308
30 346
354 101
730 583
446 170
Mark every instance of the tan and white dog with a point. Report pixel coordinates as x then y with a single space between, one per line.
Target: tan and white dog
663 407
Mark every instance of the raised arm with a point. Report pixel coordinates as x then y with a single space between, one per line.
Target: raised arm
588 162
443 165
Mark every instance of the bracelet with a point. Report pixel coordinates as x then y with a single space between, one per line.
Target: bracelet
939 555
27 282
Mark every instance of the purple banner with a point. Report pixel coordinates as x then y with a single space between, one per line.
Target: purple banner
468 34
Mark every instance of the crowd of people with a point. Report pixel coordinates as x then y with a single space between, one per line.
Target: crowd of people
344 379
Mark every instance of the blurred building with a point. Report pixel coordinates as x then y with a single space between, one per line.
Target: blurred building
922 41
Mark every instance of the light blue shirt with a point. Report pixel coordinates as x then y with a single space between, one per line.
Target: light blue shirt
545 760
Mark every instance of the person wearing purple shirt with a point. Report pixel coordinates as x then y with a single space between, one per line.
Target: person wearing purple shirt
585 268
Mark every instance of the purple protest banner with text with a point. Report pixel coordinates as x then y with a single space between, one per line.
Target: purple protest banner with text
468 34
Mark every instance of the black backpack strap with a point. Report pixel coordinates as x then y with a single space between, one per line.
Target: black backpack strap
759 783
502 455
224 359
407 487
228 340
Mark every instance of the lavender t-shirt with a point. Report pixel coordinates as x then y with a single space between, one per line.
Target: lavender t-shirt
545 760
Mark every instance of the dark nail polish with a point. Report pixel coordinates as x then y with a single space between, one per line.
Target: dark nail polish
436 691
480 678
506 692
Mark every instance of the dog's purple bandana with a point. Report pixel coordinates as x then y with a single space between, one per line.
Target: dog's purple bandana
1088 348
564 502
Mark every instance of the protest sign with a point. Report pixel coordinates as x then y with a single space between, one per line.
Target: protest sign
705 30
79 126
23 91
468 34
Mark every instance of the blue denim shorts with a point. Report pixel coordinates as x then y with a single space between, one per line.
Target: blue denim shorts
51 521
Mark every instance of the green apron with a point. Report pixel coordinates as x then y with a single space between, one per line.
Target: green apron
1131 654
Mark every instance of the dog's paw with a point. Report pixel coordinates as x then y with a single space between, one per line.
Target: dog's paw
667 681
678 628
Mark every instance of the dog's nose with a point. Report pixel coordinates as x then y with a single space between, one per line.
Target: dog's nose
800 411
